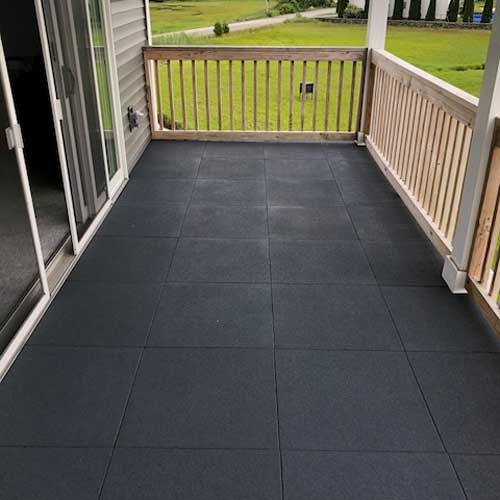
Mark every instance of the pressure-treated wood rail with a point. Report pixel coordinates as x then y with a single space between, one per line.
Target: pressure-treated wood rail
484 273
420 135
255 93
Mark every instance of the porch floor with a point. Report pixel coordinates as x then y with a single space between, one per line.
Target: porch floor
255 322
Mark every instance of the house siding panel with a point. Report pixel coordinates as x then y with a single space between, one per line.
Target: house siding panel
130 35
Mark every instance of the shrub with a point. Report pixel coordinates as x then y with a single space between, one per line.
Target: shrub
353 12
415 13
218 29
452 14
225 28
366 9
286 8
487 12
431 11
398 9
341 6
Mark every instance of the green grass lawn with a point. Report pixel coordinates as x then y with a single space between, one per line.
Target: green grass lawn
453 55
178 15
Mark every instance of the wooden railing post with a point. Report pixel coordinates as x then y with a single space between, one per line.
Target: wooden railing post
455 268
376 31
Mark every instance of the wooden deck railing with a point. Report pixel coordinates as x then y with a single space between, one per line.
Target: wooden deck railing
483 269
245 93
420 134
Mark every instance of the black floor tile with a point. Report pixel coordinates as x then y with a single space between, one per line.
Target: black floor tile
364 192
355 171
319 262
479 475
332 317
351 401
462 393
193 475
134 220
214 315
206 221
234 150
225 192
404 263
232 168
369 476
347 152
52 473
154 191
294 151
311 223
164 167
219 261
385 224
433 319
158 151
298 168
125 260
99 314
203 398
66 396
304 193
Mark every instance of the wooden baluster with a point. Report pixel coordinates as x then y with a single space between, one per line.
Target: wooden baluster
159 94
219 97
183 94
361 95
207 94
315 96
195 95
303 96
339 95
171 95
351 99
401 127
231 97
267 97
278 117
422 112
255 96
290 116
243 96
422 142
396 120
433 162
327 93
429 140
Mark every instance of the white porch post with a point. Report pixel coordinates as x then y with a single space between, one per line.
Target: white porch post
455 266
376 31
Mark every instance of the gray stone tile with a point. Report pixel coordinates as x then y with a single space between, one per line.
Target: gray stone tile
232 168
304 193
164 167
234 150
385 224
99 314
462 393
311 223
360 192
433 319
203 398
340 262
294 151
404 263
369 476
225 192
206 221
66 396
214 315
351 401
125 260
193 474
134 220
142 191
479 475
332 317
218 261
52 473
298 168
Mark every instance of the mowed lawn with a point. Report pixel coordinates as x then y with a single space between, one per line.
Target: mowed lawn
453 55
178 15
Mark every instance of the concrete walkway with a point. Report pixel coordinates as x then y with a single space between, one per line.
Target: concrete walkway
255 23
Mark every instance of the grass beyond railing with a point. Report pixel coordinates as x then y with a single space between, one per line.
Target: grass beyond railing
420 134
255 92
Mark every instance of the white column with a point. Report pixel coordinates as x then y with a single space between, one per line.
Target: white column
455 268
376 31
